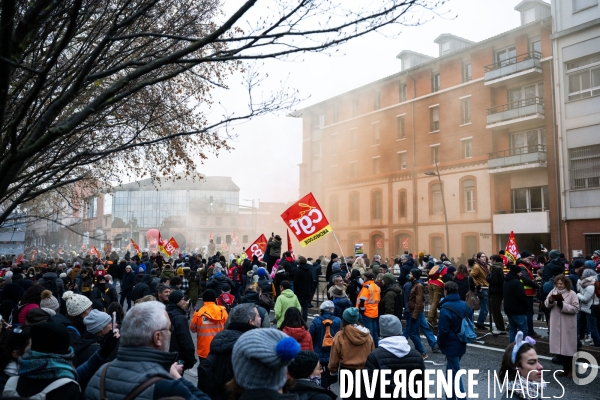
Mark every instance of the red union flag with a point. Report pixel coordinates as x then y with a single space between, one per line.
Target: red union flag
171 246
306 220
258 248
137 248
512 252
95 252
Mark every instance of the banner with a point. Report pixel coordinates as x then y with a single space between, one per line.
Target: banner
161 245
258 248
137 248
171 246
95 252
20 259
358 250
290 244
235 242
512 252
306 220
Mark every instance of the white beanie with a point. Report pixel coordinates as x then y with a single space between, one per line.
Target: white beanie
76 303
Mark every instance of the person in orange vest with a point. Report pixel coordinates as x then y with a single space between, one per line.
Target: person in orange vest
530 287
436 289
368 305
207 322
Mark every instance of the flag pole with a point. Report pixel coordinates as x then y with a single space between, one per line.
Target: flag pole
338 242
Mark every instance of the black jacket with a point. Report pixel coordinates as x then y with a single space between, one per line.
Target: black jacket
142 289
289 267
84 348
213 382
127 282
303 281
219 282
267 394
405 271
515 300
553 268
316 272
464 283
496 278
181 338
309 390
380 358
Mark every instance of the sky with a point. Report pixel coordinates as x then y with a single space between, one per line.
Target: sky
267 150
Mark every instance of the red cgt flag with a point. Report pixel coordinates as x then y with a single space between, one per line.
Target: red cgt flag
512 252
171 246
137 248
95 252
306 220
258 248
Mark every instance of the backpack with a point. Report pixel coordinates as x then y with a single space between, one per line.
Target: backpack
467 327
10 390
327 338
226 300
233 274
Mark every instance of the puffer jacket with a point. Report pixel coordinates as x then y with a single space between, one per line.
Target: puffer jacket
219 282
586 296
301 335
553 268
286 299
351 347
275 246
317 332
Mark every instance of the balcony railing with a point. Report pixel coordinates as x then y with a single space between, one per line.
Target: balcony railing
532 55
516 105
539 148
518 158
522 210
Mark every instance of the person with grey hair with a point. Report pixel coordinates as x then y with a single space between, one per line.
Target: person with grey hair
587 297
217 369
144 368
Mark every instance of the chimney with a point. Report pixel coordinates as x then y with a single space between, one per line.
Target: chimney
411 59
449 43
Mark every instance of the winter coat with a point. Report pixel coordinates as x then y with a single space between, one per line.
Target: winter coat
219 283
416 299
553 268
193 291
52 282
206 323
340 304
395 354
449 325
317 332
353 289
127 282
167 273
405 271
301 335
351 347
265 285
369 298
478 273
306 389
515 300
83 348
303 281
464 283
286 299
586 295
388 299
275 246
316 272
563 323
181 339
496 278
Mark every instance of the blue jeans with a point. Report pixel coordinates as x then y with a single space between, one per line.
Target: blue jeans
517 323
483 306
453 364
593 328
372 324
412 331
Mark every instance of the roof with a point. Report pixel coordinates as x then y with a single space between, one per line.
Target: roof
405 53
522 5
213 183
443 36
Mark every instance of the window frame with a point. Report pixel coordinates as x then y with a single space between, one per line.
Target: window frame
376 165
465 111
434 111
467 76
402 157
377 100
584 163
401 127
377 204
592 3
375 134
436 82
353 207
467 144
528 198
402 92
402 203
353 169
435 153
468 195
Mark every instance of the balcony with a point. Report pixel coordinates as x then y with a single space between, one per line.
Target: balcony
513 70
521 222
522 114
517 159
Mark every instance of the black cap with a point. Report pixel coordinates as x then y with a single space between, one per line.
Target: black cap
175 296
209 295
50 337
525 254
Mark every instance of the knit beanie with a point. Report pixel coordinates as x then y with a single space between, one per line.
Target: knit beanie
327 305
590 264
514 268
303 365
388 279
96 321
262 357
209 295
350 315
76 303
389 325
335 266
262 272
175 296
597 253
50 337
49 301
553 254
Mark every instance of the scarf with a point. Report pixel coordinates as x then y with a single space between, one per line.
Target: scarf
526 389
561 291
483 266
36 365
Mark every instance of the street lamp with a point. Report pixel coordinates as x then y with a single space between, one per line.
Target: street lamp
431 173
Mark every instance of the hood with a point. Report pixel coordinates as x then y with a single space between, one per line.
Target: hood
251 297
223 342
174 309
511 276
147 279
49 275
394 288
294 332
498 265
397 345
288 293
212 311
305 267
587 281
356 334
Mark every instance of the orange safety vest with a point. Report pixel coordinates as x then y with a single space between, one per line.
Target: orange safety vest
371 294
206 323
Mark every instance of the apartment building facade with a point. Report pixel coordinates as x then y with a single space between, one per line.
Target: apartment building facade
576 48
479 113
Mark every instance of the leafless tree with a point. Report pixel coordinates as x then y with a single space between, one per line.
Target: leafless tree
95 90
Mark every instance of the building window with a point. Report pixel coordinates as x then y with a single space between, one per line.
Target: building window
336 114
584 167
402 203
334 174
466 72
353 169
316 149
233 221
402 160
354 207
228 239
467 147
354 108
506 56
437 246
333 208
218 221
525 95
530 199
321 120
434 116
377 165
536 45
445 48
531 141
333 144
435 151
377 100
437 205
376 206
402 92
529 16
353 139
218 240
468 195
579 5
435 82
375 133
401 130
466 111
245 239
471 246
584 81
